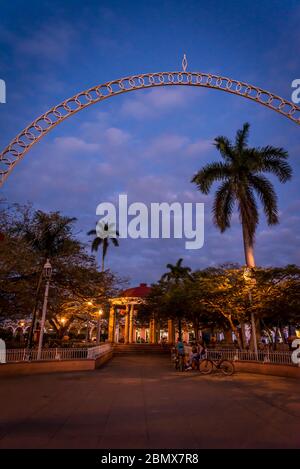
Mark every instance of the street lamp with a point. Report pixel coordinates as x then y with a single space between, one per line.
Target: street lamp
250 280
47 275
100 312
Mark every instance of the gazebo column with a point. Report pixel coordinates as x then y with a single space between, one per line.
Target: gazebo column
126 338
112 324
153 331
131 316
171 332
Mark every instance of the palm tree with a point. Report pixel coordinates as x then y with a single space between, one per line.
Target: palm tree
177 273
241 174
106 230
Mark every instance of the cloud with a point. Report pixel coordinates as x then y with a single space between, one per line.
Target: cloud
51 41
165 144
71 144
199 147
115 136
171 145
156 101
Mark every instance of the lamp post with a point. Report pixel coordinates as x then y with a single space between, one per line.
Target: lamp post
47 274
251 283
100 312
63 322
87 335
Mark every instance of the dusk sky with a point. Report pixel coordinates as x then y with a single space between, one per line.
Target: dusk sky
148 143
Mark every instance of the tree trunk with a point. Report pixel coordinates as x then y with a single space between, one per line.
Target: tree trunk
258 334
179 329
258 330
248 248
36 303
250 262
243 335
236 332
196 330
102 263
275 339
228 336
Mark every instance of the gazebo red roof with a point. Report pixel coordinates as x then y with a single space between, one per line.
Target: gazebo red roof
138 292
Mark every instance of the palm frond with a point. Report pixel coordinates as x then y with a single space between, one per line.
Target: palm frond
225 148
241 138
273 160
211 173
223 206
267 195
96 243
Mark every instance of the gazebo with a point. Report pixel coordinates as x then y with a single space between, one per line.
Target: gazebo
123 309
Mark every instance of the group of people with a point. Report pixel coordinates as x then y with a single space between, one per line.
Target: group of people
191 361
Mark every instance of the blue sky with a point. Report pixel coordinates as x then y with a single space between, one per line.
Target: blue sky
149 143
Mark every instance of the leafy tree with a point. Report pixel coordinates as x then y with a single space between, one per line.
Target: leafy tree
276 299
29 238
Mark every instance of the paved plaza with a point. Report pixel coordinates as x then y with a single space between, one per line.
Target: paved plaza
139 401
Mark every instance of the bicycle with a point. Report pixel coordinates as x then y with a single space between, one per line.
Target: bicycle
178 361
206 366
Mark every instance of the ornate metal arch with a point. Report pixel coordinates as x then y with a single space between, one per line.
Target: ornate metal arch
35 131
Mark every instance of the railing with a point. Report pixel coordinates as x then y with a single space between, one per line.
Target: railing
21 355
263 356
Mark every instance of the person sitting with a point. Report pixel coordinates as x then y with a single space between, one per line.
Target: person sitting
194 358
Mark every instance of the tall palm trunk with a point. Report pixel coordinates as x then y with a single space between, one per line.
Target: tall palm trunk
103 256
250 262
248 248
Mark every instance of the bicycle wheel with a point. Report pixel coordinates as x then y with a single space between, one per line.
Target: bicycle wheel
206 366
227 367
181 364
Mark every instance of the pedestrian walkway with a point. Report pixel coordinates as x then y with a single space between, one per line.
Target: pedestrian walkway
139 401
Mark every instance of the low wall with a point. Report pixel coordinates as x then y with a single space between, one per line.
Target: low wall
285 371
57 366
103 359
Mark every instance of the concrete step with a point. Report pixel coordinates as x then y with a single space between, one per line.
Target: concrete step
139 348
